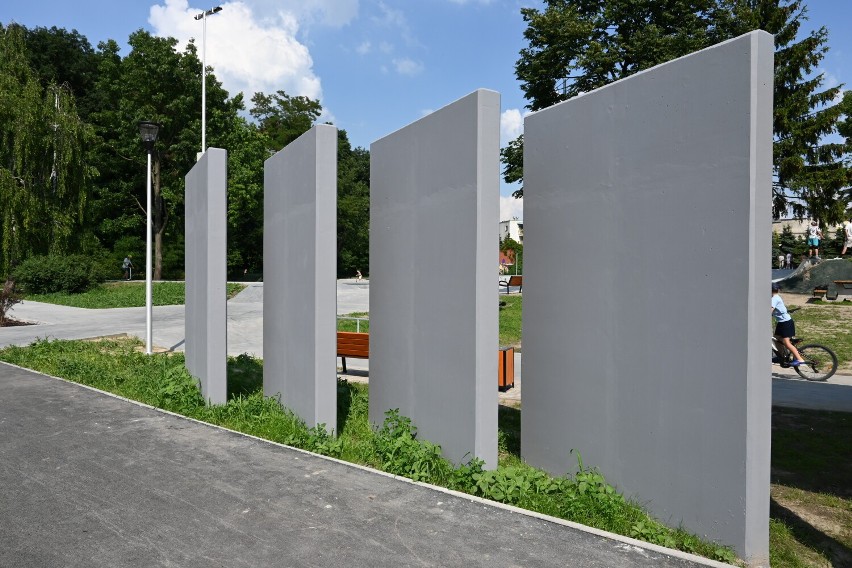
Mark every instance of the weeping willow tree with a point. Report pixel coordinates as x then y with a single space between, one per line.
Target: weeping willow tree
43 173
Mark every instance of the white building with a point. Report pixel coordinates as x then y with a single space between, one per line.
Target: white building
512 228
800 227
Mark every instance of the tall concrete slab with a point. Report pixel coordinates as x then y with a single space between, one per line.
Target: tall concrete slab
647 229
300 270
206 224
434 213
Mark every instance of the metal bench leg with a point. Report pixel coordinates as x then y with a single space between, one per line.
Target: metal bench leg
343 360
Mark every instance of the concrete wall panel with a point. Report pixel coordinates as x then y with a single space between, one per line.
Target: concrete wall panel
647 229
206 274
299 260
434 208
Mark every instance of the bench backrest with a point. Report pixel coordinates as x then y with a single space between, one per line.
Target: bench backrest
353 344
516 281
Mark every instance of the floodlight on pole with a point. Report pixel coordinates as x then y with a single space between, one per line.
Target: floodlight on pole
203 17
148 131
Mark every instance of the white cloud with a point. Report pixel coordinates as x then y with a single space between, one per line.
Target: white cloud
364 48
511 125
511 208
333 13
405 66
249 53
390 17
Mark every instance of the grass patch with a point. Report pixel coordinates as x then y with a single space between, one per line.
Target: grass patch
353 325
511 307
125 295
828 324
811 507
162 381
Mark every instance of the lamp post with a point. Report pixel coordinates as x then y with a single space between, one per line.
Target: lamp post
203 17
148 131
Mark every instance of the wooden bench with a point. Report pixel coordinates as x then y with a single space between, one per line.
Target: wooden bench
357 345
352 344
516 281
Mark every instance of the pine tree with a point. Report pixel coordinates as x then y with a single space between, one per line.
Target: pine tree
809 174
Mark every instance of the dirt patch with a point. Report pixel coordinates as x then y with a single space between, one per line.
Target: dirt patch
823 522
15 323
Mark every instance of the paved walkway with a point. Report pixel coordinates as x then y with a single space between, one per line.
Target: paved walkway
245 335
88 480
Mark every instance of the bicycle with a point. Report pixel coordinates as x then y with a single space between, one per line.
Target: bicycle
820 361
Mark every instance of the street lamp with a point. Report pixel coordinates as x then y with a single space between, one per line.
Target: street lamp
203 17
148 131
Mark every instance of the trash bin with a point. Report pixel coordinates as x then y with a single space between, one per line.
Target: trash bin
505 368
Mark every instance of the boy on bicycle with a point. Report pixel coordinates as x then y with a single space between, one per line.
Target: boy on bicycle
785 328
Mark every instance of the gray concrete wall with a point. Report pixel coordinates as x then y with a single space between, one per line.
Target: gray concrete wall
647 229
434 211
299 260
206 274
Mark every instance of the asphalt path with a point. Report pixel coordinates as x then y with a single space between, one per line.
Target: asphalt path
89 480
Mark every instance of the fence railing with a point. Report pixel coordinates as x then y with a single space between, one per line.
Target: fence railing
357 321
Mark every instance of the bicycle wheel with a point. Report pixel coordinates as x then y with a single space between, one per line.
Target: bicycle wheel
821 362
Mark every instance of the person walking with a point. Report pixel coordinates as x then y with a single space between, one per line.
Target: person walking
127 265
847 228
785 328
814 235
789 260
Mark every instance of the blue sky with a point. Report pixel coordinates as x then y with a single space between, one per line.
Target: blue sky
376 65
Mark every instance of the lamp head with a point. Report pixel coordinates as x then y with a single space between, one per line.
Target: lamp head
148 131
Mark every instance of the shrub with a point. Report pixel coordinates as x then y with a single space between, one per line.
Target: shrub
53 273
8 297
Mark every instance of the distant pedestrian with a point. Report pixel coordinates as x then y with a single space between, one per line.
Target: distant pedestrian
358 276
789 261
814 235
847 228
127 265
780 261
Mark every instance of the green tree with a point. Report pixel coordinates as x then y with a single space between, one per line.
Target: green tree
65 58
247 150
43 171
579 45
283 118
353 207
154 82
515 251
810 174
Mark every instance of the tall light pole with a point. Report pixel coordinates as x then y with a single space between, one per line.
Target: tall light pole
203 17
148 131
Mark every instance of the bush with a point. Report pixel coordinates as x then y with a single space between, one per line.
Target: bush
8 297
53 273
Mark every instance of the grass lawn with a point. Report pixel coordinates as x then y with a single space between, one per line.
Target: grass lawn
811 491
353 325
510 319
124 295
